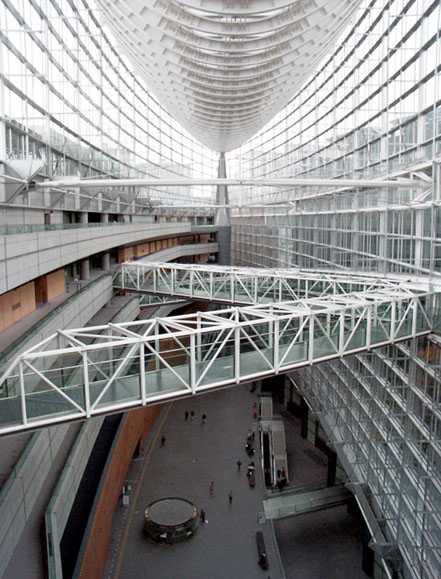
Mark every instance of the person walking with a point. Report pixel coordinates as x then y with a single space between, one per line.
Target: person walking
192 415
204 418
186 415
239 464
163 439
202 515
211 488
230 497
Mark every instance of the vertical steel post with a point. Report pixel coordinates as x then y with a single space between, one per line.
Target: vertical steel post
276 328
237 351
193 363
86 384
311 339
341 339
368 326
393 317
142 373
22 394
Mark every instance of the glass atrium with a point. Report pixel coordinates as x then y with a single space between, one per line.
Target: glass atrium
74 104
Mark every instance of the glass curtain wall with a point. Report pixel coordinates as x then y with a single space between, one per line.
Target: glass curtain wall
70 97
372 110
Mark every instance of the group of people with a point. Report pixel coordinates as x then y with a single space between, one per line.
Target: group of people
190 415
249 449
202 515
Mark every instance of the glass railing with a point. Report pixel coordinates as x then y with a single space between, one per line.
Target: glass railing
206 228
121 371
37 228
20 229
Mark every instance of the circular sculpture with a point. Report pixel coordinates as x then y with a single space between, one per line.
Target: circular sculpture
170 520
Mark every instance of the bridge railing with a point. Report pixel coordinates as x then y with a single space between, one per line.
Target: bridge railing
80 373
239 285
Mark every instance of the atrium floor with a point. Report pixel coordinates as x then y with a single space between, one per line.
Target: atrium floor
324 544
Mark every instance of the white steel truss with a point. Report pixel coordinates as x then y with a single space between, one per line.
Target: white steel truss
79 373
246 285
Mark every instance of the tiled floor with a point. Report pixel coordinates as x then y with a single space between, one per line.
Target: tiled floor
195 454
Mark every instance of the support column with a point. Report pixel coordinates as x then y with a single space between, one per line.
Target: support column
368 556
105 264
85 269
304 417
332 467
83 217
222 216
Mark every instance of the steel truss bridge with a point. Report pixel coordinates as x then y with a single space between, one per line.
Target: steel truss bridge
303 318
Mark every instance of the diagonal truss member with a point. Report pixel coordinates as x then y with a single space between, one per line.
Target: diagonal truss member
80 373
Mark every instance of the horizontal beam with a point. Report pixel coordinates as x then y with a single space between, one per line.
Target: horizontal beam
76 183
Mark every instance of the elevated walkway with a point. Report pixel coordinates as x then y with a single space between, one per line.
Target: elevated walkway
76 374
289 503
245 285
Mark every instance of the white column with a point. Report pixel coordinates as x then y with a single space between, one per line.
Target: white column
85 269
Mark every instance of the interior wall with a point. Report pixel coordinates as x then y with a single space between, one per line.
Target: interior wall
16 304
136 427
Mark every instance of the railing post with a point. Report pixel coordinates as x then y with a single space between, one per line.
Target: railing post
311 339
276 346
199 339
157 347
86 384
193 363
341 345
368 326
237 353
232 286
415 316
392 320
22 394
142 373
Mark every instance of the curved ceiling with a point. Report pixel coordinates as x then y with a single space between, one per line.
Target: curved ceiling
224 68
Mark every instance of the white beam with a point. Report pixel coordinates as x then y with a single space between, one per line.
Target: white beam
71 183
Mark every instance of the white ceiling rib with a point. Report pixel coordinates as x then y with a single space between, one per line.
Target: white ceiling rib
224 68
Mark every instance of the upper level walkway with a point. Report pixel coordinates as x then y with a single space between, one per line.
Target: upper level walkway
246 285
76 374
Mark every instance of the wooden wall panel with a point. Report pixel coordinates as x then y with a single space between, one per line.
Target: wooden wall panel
16 304
125 254
136 427
56 284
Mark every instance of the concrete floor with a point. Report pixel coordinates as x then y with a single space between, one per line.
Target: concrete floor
319 545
